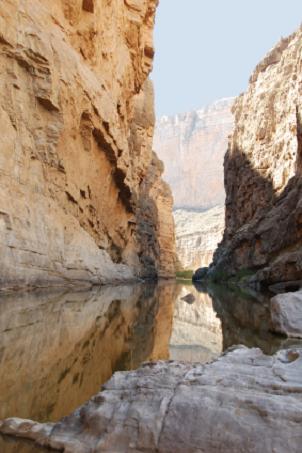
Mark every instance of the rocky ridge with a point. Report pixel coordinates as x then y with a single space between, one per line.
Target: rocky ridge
81 195
263 169
244 401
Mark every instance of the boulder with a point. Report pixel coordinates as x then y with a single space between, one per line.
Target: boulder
286 314
200 274
189 298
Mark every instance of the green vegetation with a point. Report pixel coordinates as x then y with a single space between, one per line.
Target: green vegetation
185 274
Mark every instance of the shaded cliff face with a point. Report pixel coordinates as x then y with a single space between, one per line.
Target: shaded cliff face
192 147
197 235
263 172
76 157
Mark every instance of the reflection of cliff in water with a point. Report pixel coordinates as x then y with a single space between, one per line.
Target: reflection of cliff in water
196 334
57 349
245 318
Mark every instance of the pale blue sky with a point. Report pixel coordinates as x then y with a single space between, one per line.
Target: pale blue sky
207 49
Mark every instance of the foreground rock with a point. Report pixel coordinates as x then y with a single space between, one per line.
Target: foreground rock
286 312
197 236
263 169
243 402
81 195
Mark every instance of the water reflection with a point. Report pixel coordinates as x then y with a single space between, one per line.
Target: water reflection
197 333
221 317
11 445
57 348
245 318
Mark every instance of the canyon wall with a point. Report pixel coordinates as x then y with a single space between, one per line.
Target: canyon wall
192 147
197 235
81 195
263 173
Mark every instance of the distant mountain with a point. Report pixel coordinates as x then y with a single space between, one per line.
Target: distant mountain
192 147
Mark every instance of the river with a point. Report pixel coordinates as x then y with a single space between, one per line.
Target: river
58 347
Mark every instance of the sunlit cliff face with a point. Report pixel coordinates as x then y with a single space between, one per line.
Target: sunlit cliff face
77 169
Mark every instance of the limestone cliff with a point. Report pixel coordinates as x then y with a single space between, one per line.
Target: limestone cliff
263 172
192 147
79 184
197 235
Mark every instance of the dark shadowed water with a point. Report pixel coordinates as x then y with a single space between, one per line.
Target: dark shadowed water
58 348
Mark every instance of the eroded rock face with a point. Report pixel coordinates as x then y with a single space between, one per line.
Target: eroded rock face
244 401
197 236
76 155
192 147
263 172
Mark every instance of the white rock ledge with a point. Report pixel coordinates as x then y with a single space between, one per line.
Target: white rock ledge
243 402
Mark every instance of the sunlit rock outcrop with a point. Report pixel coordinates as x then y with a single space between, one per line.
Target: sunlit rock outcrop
263 168
76 161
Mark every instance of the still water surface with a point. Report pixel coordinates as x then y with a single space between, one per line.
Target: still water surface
58 348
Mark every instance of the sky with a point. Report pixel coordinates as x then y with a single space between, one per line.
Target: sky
207 49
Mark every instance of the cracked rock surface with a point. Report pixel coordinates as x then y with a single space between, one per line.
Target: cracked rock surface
244 401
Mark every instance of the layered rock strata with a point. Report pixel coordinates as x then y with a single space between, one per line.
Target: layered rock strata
244 401
81 195
197 236
192 147
263 173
